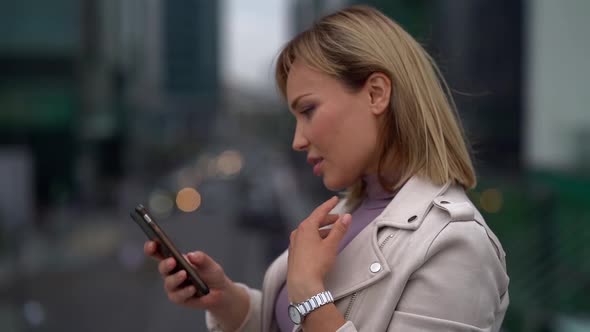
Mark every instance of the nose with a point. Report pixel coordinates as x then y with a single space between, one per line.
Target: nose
300 143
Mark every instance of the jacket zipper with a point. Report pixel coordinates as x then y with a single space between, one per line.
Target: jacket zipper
353 298
385 241
347 313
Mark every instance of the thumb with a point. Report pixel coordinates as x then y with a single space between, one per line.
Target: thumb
339 229
201 260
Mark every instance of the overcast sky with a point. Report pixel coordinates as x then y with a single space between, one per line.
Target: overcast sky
253 32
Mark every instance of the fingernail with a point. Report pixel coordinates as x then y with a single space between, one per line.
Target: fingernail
193 256
346 219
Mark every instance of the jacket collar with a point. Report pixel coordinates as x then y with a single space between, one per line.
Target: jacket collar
411 204
356 265
352 270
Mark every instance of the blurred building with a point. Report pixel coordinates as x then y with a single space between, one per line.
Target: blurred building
167 53
557 129
90 87
40 93
479 47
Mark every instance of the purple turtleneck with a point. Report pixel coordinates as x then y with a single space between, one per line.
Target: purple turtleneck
376 200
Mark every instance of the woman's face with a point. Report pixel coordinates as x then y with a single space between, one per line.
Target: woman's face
336 127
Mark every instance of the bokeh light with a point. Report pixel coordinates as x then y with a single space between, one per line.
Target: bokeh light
491 200
160 203
188 199
229 163
34 313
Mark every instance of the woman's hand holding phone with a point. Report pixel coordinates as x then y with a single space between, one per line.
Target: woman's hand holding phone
211 273
228 302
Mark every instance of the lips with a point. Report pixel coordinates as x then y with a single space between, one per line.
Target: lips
316 162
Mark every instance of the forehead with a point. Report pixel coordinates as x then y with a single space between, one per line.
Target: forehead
303 79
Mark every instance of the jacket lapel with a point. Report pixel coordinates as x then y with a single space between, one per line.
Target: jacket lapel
352 269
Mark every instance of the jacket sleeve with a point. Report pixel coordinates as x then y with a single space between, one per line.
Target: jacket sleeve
252 322
461 285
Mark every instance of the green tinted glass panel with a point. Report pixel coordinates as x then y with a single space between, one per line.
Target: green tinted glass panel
36 105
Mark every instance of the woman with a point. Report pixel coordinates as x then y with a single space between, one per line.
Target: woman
406 250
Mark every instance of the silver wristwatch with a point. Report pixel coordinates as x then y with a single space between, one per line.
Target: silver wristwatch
297 312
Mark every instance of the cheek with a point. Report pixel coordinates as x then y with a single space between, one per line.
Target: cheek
335 128
357 143
323 130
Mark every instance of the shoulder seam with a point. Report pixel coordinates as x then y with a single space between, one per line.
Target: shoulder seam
439 232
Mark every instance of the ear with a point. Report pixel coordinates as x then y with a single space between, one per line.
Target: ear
378 86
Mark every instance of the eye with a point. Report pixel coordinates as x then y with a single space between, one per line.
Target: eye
307 110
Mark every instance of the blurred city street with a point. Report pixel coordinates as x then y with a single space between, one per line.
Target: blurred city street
172 104
88 272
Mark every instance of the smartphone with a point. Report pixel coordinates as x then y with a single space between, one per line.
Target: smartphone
167 249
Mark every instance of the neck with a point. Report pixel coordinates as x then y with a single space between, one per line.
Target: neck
374 189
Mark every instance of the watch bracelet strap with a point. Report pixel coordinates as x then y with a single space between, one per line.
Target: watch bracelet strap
315 302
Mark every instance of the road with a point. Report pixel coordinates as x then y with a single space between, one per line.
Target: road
93 277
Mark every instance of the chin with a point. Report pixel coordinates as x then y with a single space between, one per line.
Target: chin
335 184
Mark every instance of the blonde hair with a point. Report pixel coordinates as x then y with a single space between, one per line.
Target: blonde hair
421 133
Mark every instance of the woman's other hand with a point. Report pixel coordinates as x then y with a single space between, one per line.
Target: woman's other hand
312 252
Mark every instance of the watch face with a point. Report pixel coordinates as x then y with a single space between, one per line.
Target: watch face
294 315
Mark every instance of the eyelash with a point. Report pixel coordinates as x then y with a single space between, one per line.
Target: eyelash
307 110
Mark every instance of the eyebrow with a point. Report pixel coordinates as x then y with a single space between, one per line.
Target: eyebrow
296 100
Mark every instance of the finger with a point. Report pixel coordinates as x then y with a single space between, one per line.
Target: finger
324 232
309 229
329 220
204 263
182 295
338 230
172 281
150 248
322 211
166 266
292 239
